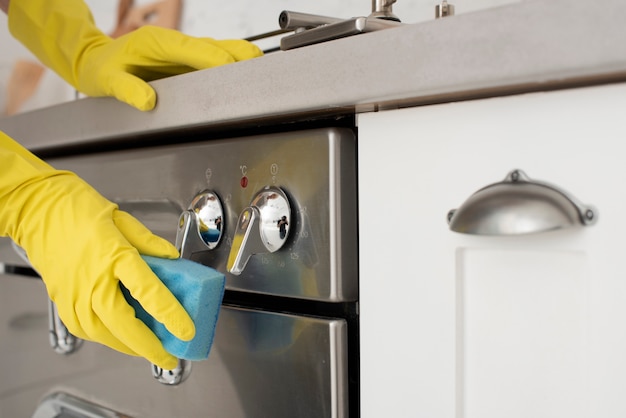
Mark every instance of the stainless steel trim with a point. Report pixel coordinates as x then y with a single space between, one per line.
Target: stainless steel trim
520 205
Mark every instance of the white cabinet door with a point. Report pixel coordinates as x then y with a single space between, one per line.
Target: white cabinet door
465 326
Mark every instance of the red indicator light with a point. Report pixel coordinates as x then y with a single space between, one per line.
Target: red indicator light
244 182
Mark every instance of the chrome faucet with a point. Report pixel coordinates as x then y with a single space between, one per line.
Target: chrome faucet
383 9
311 29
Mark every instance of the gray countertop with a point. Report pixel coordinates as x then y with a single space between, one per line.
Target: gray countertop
526 46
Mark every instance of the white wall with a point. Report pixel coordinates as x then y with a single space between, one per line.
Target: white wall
233 19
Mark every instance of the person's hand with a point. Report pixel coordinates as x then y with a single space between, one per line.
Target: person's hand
62 34
118 67
83 247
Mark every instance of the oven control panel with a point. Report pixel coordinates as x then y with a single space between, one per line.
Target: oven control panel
276 213
262 227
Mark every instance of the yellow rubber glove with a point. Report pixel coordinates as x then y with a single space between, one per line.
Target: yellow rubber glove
83 247
62 34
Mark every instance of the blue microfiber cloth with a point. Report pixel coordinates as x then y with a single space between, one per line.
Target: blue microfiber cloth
200 290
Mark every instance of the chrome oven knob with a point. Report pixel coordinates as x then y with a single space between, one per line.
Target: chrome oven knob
201 227
263 227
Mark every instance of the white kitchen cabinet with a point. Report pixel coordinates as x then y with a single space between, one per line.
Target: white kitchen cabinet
465 326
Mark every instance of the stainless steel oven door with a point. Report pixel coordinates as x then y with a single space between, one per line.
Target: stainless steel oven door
262 364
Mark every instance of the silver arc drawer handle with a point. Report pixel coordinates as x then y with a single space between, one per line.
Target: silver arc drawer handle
519 205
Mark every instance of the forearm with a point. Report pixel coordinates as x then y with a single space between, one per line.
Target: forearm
4 6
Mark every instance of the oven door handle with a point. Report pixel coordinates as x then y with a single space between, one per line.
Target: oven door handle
62 405
60 338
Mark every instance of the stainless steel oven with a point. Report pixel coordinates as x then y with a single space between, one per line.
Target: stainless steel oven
282 209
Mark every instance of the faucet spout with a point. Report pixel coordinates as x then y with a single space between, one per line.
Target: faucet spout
383 9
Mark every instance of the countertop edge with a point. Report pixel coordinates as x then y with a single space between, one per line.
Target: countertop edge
527 46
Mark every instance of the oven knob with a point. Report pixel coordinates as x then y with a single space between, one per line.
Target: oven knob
172 377
263 227
201 227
